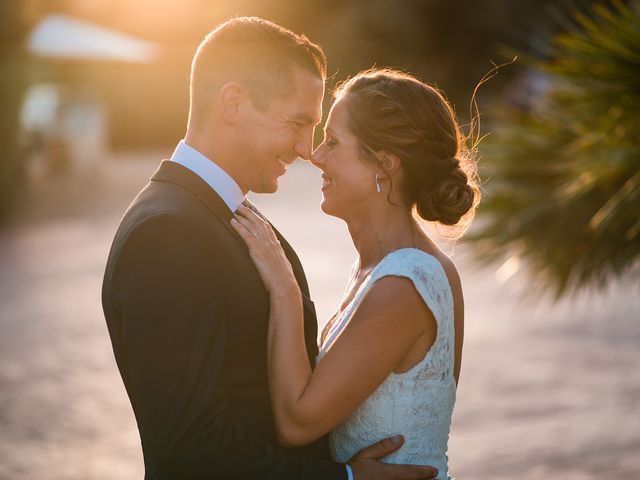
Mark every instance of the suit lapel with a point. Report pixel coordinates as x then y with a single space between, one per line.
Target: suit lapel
310 317
175 173
291 256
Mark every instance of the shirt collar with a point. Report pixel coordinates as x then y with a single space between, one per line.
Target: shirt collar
219 180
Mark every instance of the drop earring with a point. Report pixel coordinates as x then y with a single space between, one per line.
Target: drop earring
378 188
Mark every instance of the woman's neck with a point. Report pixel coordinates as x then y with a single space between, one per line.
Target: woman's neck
375 234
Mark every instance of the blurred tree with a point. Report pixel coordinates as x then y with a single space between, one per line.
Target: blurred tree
12 84
448 43
564 173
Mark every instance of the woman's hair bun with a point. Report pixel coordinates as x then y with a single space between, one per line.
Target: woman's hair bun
447 201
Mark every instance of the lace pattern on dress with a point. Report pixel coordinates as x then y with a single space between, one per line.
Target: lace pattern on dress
417 403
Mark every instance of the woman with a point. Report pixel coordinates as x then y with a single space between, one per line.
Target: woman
390 358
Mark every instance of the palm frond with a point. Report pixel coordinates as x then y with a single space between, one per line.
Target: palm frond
565 173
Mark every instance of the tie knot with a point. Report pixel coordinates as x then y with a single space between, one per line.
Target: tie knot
247 204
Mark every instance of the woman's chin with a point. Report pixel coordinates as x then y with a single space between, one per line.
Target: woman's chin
327 207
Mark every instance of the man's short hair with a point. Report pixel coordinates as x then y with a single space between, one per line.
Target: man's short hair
256 53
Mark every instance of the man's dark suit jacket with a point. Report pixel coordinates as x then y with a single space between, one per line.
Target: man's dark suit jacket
187 314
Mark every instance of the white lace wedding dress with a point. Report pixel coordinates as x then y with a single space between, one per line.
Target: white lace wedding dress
417 403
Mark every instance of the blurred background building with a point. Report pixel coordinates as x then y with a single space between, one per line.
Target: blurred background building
132 58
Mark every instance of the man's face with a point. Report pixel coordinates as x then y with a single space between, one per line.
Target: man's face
273 139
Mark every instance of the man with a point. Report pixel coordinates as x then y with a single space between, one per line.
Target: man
185 307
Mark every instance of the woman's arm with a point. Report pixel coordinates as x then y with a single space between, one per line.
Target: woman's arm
390 319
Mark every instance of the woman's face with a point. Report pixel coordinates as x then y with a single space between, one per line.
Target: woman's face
348 181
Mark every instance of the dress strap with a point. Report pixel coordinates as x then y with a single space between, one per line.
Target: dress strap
432 284
426 273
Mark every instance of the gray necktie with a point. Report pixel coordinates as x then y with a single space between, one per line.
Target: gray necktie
246 203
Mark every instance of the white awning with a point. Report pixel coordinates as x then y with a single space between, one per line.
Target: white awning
61 36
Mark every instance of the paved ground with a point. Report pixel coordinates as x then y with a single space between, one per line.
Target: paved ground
551 392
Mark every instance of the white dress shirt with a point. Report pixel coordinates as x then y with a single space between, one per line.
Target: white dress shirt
219 180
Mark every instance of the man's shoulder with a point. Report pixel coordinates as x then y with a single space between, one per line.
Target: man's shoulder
163 199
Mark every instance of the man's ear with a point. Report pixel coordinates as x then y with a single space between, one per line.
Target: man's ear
389 162
230 99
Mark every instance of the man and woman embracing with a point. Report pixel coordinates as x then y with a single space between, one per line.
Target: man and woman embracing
208 307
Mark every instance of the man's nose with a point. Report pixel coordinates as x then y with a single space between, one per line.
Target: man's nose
316 157
305 144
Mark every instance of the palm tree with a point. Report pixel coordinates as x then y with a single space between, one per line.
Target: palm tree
564 173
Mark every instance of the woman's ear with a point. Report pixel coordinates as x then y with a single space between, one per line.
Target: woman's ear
389 162
230 98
